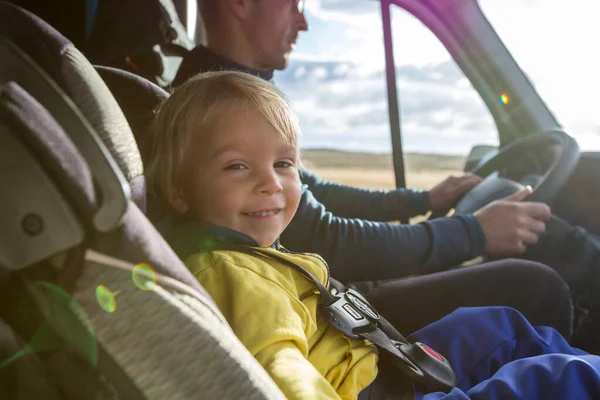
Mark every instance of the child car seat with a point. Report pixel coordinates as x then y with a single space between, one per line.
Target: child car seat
94 303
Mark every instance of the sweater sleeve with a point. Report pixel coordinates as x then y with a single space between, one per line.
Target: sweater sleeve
375 205
359 250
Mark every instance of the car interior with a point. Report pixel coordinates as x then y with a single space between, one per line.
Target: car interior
95 302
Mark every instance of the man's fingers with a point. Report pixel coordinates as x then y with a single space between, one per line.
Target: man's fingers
529 237
469 175
538 211
521 248
471 178
467 183
519 196
475 179
536 226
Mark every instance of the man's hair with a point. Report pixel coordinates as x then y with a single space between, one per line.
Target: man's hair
194 107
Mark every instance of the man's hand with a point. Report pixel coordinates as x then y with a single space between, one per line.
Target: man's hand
510 225
446 194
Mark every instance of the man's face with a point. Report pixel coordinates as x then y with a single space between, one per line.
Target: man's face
242 176
273 27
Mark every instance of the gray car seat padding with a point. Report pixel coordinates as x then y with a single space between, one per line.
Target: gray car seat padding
138 98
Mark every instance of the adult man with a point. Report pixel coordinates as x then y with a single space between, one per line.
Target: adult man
336 221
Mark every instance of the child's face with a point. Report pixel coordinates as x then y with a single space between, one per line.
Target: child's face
243 176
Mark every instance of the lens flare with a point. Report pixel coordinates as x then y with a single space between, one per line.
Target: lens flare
106 299
143 276
208 243
68 326
504 99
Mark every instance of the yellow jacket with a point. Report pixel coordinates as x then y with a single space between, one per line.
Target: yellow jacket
273 311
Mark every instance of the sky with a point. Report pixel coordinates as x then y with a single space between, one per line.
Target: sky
336 82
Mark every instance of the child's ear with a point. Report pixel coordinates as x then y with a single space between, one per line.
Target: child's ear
178 202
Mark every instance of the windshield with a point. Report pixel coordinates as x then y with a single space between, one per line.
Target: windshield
556 44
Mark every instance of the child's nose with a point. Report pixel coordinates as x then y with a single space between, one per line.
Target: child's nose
270 183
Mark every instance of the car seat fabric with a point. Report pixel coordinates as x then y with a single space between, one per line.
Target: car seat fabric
138 98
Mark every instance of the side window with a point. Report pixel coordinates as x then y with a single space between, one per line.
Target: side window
335 82
442 115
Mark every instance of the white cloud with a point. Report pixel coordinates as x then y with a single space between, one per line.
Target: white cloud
320 73
299 72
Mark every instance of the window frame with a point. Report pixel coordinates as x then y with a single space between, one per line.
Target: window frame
464 31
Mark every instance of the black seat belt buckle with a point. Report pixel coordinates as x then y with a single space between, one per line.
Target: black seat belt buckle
438 374
366 309
346 316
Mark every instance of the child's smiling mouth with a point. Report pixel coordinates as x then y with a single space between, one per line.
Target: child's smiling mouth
264 213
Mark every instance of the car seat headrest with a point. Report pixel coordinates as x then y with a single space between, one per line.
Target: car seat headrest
138 98
77 78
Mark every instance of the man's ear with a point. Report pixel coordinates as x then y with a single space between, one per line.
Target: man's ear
240 8
178 202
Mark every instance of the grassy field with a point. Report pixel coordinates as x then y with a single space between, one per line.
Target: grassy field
375 171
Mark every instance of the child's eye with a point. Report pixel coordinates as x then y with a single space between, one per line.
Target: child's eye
283 164
235 167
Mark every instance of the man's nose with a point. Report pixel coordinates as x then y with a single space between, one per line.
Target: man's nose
302 24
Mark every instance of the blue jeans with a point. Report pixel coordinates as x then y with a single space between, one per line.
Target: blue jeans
497 354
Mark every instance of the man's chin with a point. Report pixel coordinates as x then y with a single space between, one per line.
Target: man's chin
279 66
282 63
276 62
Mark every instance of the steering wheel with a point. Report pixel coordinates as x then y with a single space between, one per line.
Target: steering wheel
564 151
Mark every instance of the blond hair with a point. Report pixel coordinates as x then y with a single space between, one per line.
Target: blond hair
193 108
